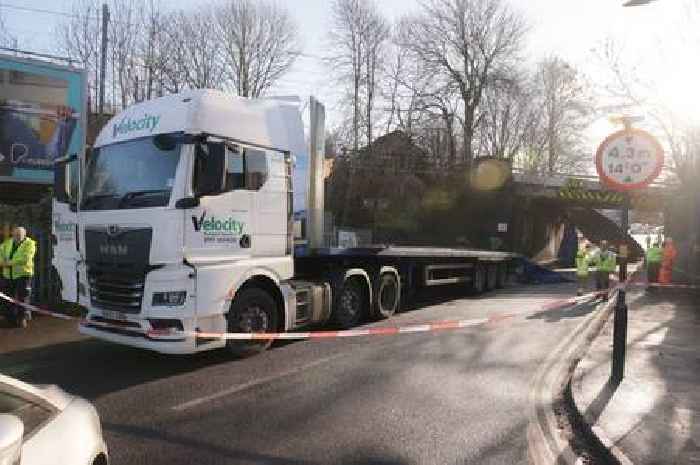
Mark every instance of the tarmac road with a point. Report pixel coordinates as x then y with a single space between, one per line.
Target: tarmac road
451 397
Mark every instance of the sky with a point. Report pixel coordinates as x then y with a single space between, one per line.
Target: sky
568 28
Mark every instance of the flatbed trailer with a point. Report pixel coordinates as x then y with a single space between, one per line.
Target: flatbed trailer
418 267
383 278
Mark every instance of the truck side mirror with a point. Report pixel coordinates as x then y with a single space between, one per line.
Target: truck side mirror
210 168
11 433
62 180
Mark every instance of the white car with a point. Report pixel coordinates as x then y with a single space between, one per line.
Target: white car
42 425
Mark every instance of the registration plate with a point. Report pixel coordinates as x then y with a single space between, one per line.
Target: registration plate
112 315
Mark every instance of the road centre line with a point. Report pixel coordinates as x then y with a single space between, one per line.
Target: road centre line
250 384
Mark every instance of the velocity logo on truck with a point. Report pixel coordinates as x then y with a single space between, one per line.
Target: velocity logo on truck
127 125
218 229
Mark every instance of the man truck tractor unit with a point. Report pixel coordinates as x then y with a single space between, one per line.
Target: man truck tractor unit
203 213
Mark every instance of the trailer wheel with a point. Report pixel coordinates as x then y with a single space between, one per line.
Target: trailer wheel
502 277
479 283
349 306
252 311
388 297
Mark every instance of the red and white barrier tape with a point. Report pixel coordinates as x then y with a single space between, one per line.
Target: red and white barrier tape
36 309
383 331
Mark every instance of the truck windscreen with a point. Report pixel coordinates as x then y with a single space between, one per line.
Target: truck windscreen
134 174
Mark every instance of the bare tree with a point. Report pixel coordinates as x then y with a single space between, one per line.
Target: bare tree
78 36
196 50
566 111
123 40
6 38
358 36
509 116
153 48
260 43
626 92
467 41
375 38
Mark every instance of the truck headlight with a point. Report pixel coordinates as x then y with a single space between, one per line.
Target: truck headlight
169 299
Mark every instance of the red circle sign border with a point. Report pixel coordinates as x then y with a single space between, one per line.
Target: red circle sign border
639 185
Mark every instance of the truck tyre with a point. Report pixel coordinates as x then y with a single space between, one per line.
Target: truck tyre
479 283
252 311
491 277
349 306
502 278
386 302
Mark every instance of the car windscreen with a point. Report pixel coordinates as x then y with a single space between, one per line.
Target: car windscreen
32 414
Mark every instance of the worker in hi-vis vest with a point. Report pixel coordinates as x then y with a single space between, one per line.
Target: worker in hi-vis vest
5 250
21 266
583 259
669 257
654 256
605 263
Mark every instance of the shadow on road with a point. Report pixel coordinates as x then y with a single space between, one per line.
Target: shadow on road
92 368
556 315
198 448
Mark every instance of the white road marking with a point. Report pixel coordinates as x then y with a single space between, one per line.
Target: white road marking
242 387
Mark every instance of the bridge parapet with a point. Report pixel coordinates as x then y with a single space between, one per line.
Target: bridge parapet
586 190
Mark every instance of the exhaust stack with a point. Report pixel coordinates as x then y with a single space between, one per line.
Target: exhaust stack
315 206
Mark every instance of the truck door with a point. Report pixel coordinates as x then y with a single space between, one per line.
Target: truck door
64 226
220 228
267 180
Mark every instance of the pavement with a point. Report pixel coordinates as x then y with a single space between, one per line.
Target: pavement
450 397
652 416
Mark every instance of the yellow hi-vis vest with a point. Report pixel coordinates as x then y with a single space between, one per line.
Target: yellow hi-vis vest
582 262
22 261
606 261
5 251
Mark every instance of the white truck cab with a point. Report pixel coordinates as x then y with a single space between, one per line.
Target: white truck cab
184 199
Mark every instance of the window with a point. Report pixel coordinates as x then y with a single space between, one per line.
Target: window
132 174
255 169
245 168
73 177
235 178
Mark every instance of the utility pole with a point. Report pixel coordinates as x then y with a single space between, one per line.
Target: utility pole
103 58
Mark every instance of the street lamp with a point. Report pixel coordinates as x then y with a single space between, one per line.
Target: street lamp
637 2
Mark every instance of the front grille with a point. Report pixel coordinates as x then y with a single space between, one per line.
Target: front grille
120 323
116 290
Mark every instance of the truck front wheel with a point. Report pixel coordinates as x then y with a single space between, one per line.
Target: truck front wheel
252 311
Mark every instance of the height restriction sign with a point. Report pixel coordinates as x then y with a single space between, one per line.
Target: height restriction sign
629 159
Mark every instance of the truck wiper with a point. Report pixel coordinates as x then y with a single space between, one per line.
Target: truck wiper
92 198
129 196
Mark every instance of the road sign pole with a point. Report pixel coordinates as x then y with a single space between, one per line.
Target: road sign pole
626 160
620 324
